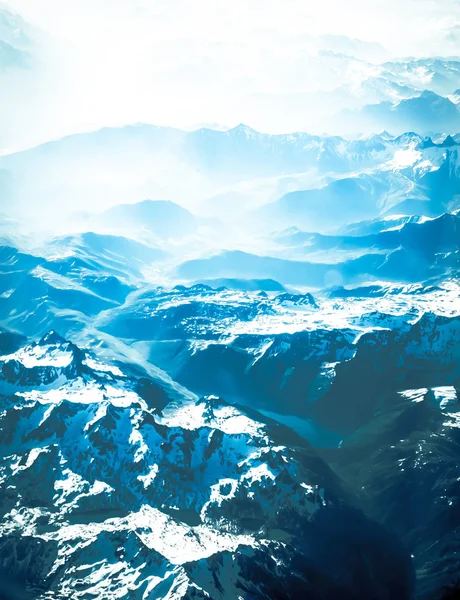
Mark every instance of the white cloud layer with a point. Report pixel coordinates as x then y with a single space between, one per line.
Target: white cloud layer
183 62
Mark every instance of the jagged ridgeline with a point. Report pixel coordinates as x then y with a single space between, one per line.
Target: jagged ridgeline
118 484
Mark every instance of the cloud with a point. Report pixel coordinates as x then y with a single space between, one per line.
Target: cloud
110 62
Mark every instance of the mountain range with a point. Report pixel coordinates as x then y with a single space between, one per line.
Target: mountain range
229 358
305 176
148 485
145 490
428 112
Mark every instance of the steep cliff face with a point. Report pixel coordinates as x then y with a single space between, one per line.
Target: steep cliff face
404 462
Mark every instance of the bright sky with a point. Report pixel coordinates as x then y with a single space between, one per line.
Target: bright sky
187 62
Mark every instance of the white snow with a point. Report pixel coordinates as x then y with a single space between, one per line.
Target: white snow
95 365
405 157
148 479
41 356
177 542
84 392
225 418
447 397
341 313
416 395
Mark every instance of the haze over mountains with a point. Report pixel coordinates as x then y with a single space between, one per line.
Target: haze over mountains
313 75
208 171
229 360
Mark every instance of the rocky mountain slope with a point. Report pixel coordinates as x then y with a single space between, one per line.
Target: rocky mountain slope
147 492
149 488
